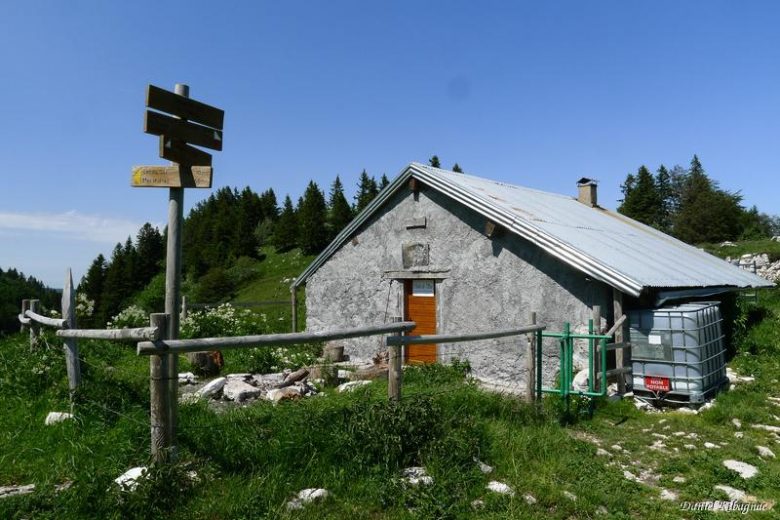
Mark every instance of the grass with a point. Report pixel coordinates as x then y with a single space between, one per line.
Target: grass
251 460
269 280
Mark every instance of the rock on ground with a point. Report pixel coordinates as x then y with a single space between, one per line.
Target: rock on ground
744 469
187 378
529 499
417 475
733 494
237 390
765 452
500 488
484 468
307 496
14 491
667 494
280 394
128 480
57 417
571 496
350 386
213 387
766 427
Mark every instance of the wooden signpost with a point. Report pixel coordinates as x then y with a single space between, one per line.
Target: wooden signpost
185 122
171 177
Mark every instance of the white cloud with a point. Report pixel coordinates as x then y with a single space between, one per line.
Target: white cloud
70 224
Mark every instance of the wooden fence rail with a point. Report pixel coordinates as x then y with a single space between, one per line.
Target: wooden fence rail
57 323
132 335
180 346
456 338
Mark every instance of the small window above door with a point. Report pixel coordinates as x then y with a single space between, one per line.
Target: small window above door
423 288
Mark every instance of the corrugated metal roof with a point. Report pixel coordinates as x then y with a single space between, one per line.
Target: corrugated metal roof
608 246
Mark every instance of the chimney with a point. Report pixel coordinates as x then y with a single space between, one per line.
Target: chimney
587 192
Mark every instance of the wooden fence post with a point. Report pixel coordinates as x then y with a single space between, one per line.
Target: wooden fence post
35 328
70 346
25 308
184 309
394 369
531 362
294 304
160 407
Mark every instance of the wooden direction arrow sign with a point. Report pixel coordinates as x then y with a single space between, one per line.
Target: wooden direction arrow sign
182 153
171 177
186 108
160 124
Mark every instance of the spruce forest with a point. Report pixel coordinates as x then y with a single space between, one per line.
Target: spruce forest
689 205
219 233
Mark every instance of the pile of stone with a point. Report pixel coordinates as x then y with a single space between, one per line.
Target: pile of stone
758 263
241 388
235 389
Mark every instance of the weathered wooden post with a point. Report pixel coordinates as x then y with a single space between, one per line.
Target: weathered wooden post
596 347
531 361
70 346
161 413
294 305
35 327
190 122
173 275
620 354
184 309
394 369
25 308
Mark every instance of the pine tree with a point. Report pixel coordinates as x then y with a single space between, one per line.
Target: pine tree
434 161
339 212
641 201
456 168
249 215
269 205
312 214
663 184
151 253
706 213
367 190
91 286
114 287
285 235
383 182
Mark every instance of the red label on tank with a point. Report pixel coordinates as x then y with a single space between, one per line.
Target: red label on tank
657 384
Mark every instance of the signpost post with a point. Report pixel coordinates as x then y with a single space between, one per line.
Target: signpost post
190 122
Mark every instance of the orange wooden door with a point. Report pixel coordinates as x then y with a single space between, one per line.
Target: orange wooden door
420 307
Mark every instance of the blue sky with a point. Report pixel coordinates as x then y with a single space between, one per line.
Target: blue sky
533 93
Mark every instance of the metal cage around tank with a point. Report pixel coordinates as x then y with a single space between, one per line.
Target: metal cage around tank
680 348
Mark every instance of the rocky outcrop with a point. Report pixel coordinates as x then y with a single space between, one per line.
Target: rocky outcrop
758 263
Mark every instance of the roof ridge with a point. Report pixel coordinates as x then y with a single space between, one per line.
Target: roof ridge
493 181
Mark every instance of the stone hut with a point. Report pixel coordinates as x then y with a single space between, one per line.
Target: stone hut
458 254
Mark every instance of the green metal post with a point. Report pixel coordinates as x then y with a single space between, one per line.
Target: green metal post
603 388
539 365
566 343
562 371
591 371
